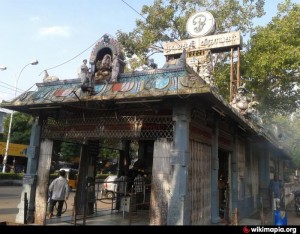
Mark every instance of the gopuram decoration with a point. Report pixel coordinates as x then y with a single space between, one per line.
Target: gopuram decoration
198 25
202 45
48 78
197 53
245 105
106 62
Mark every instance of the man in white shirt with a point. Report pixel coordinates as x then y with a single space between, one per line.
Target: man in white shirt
59 191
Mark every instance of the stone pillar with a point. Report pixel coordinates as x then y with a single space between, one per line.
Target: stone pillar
43 170
124 160
179 201
80 195
215 217
29 181
264 175
85 192
234 172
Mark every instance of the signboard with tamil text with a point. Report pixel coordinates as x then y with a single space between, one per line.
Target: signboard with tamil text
216 43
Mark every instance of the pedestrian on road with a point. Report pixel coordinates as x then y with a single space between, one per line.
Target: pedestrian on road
59 192
275 190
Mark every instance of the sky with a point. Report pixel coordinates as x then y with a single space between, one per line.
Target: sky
60 34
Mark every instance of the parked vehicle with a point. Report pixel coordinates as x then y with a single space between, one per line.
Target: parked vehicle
109 186
297 202
71 176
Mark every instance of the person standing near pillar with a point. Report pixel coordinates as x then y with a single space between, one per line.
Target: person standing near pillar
59 192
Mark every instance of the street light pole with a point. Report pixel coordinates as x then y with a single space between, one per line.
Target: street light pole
35 62
3 68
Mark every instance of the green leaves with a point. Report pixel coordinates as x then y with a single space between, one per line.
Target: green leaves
166 21
20 128
271 65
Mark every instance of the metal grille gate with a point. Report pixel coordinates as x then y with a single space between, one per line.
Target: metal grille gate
110 125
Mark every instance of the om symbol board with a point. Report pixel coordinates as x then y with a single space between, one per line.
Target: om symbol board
201 24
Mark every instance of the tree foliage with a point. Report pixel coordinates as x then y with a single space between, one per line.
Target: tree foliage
20 128
289 130
69 151
166 21
270 66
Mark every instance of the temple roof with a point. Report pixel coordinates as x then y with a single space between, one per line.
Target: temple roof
148 85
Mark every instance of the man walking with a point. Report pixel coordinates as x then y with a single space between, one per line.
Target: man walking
59 192
275 189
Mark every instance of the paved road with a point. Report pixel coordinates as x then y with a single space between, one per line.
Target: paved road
10 197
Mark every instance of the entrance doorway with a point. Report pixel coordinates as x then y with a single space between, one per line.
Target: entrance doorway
132 182
223 185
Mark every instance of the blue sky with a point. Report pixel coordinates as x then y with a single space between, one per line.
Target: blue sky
62 32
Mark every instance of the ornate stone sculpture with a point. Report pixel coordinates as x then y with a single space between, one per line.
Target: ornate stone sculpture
201 62
245 105
84 73
104 68
48 78
241 101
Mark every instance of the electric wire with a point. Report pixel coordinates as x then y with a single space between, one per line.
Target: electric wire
71 58
9 87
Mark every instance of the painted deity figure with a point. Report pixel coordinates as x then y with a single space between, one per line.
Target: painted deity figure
104 67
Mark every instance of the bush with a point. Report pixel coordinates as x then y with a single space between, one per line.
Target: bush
11 176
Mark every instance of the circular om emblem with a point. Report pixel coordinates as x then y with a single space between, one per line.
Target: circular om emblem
201 24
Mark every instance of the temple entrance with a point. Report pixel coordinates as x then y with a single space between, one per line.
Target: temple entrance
132 168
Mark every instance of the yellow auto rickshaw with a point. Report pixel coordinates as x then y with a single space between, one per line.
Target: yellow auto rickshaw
71 176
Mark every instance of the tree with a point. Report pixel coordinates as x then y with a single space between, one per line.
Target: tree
289 137
20 128
166 21
69 151
270 66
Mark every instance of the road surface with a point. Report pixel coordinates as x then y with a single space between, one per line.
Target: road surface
10 197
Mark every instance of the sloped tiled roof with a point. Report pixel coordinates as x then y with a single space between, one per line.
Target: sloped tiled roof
148 85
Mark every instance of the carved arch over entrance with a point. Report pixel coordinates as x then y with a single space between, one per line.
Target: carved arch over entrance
109 44
107 60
